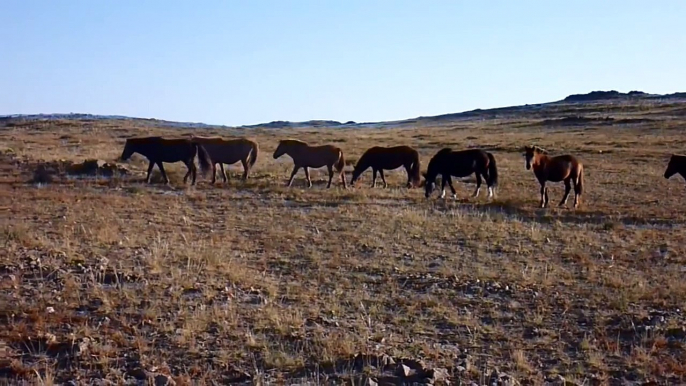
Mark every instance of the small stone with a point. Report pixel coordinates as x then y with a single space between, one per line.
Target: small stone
50 310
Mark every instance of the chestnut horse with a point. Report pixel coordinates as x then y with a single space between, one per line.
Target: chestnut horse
388 158
158 150
555 169
459 164
677 164
306 156
229 151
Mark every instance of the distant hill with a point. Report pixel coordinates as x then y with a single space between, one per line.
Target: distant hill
610 95
544 110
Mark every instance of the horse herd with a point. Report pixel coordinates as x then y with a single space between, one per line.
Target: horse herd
448 163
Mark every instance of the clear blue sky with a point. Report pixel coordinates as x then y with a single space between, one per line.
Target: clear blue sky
244 62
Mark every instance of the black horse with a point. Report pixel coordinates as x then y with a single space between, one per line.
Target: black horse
462 163
158 150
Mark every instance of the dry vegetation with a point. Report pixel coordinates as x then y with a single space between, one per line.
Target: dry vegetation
253 282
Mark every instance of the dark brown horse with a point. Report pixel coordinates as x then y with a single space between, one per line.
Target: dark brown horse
229 151
158 150
555 169
306 156
449 163
677 164
388 158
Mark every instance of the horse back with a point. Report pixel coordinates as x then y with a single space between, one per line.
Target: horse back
165 149
389 157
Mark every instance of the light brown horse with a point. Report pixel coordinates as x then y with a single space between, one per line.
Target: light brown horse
229 151
306 156
555 169
388 158
159 150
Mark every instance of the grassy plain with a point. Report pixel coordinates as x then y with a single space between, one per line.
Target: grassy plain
258 283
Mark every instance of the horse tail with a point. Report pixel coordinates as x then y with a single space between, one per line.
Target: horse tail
492 170
580 180
204 159
414 171
253 153
340 164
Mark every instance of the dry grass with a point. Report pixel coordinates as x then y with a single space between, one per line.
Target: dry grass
254 281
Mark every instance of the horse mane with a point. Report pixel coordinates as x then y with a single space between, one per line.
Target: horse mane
291 141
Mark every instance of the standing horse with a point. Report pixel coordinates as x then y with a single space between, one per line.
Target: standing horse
158 150
459 164
229 151
388 158
677 164
555 169
306 156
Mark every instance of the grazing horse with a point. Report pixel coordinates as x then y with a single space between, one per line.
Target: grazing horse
555 169
158 150
459 164
677 164
229 151
388 158
306 156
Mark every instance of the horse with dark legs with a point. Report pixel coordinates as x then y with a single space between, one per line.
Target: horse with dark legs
677 164
388 158
229 151
555 169
159 150
462 163
307 156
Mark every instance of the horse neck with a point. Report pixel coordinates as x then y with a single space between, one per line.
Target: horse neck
363 163
540 160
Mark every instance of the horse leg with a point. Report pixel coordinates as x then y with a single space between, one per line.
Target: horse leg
489 182
245 169
225 175
444 181
290 180
577 191
164 174
374 171
452 188
544 195
345 185
478 185
383 178
409 174
568 188
330 168
307 176
147 177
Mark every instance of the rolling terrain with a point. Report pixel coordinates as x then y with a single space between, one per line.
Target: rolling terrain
255 283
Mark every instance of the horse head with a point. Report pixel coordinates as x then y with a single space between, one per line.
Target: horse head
530 152
280 150
429 183
129 149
